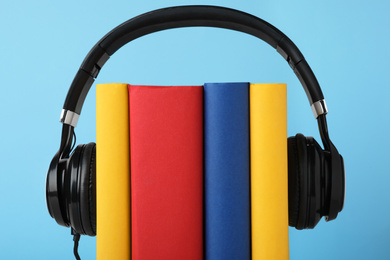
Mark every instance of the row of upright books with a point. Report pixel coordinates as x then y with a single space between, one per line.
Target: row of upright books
192 172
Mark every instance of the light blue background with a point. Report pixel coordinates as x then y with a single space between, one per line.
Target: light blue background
346 43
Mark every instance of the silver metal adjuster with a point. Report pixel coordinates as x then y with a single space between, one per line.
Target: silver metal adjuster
69 117
319 108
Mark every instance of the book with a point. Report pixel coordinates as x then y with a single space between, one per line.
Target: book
227 171
112 172
166 151
269 179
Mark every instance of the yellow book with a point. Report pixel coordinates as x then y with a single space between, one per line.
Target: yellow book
269 179
112 172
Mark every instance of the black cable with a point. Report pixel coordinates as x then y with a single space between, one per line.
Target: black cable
76 238
74 140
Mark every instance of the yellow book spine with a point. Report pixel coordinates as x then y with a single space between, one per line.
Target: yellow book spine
112 172
269 194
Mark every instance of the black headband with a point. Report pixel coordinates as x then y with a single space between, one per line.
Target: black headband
187 16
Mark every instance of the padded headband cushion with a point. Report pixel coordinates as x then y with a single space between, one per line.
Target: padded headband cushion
87 192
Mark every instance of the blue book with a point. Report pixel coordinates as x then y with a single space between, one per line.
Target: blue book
227 171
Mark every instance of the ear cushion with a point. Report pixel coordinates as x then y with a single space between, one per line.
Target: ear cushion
87 189
72 190
92 190
314 196
297 181
293 180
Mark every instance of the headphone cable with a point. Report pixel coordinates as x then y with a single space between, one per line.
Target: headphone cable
76 238
74 141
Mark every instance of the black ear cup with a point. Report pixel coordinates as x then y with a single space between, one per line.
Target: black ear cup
336 185
293 182
316 182
55 190
71 190
81 196
88 190
306 170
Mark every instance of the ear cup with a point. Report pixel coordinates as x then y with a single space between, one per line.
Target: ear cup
305 164
55 198
336 183
87 190
297 181
293 182
82 190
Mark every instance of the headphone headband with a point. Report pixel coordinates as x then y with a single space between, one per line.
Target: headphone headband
187 16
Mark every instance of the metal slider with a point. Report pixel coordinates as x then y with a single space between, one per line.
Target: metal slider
319 108
69 117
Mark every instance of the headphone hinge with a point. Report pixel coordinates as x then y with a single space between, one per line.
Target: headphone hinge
319 108
69 117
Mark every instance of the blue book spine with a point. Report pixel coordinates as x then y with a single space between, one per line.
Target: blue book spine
227 171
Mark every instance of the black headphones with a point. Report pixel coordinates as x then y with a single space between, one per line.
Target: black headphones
316 177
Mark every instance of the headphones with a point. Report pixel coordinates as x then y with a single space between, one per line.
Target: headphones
316 176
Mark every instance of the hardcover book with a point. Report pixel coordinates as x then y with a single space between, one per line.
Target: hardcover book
166 142
268 134
112 172
227 171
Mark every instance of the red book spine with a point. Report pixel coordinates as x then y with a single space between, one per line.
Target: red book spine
166 150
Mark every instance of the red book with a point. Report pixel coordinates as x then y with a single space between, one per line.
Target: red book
166 151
